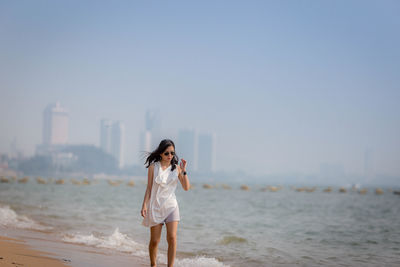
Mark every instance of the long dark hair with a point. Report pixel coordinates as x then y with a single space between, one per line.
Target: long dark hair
155 155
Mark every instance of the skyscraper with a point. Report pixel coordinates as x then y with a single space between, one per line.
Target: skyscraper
112 137
55 125
187 147
105 135
151 136
153 125
207 152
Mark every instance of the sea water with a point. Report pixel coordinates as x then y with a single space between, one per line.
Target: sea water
218 227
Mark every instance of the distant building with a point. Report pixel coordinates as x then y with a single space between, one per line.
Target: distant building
187 147
153 126
145 141
151 136
112 137
55 125
206 161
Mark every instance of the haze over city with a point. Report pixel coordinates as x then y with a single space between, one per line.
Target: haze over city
287 87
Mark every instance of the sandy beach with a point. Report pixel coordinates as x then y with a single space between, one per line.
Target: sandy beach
14 252
39 249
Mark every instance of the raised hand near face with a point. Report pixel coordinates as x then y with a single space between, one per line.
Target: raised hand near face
183 165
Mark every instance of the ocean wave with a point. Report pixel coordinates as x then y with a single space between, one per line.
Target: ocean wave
117 241
9 218
123 243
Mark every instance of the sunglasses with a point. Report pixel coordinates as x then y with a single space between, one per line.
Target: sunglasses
167 153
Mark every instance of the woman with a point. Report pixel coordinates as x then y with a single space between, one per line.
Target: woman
159 204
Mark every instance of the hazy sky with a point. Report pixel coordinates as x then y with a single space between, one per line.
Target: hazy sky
285 85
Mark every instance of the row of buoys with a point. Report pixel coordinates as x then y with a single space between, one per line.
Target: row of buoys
12 179
305 189
40 180
114 183
23 180
85 181
378 191
271 188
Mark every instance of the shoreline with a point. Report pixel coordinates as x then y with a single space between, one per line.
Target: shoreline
15 252
22 247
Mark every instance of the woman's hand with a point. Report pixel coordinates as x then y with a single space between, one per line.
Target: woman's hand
183 165
144 211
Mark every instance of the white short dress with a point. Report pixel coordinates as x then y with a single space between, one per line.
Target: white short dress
162 199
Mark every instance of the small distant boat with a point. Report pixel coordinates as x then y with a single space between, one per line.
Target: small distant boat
300 189
40 180
245 188
23 180
379 191
342 190
114 183
396 192
328 190
86 181
4 179
363 191
310 190
273 188
60 181
207 186
131 183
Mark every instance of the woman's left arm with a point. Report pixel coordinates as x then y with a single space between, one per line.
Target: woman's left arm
183 178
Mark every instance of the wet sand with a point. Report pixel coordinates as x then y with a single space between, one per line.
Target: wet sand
20 248
14 252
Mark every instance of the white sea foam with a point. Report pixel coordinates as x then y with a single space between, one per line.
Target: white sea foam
117 241
199 262
9 218
124 243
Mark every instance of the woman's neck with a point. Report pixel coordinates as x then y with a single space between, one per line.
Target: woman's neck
165 163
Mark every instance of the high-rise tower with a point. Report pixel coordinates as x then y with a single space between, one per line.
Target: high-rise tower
112 139
55 125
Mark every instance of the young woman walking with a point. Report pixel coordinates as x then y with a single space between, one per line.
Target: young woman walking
159 204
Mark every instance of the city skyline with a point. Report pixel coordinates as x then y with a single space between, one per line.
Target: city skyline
287 87
198 149
189 140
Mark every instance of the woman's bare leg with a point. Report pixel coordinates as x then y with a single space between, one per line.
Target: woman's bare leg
172 228
155 236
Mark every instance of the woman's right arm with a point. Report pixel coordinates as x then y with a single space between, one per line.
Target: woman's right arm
147 195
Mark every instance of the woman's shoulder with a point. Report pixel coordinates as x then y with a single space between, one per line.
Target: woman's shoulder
153 164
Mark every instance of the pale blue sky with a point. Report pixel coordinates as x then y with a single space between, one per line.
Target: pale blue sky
286 85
